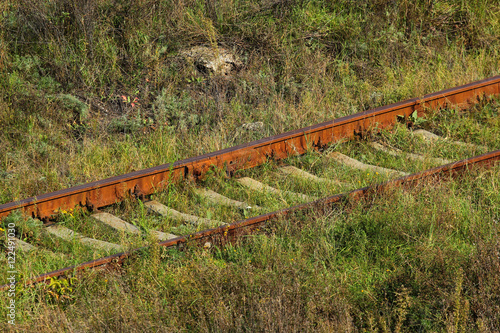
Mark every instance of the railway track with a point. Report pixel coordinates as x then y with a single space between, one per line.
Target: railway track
214 198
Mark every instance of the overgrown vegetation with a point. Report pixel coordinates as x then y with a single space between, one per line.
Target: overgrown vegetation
425 259
88 86
92 89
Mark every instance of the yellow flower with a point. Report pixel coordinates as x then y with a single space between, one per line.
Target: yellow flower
1 229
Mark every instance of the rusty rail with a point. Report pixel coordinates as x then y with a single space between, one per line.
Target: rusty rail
144 182
236 229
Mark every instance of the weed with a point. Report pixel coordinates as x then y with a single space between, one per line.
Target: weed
60 290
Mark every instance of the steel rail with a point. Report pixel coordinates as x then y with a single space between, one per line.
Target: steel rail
144 182
231 232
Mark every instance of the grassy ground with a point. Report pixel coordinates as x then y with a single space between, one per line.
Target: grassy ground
65 65
347 252
424 259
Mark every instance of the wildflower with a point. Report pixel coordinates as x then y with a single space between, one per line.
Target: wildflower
376 173
134 102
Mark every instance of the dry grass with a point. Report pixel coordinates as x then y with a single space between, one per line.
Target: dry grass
65 65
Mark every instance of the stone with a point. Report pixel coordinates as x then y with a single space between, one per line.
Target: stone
253 126
213 60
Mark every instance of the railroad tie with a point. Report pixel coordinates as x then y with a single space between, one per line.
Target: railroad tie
299 173
23 246
222 200
398 152
163 210
351 162
258 186
28 248
429 136
120 225
69 235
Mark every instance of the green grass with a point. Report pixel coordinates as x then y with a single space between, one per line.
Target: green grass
358 241
422 259
419 260
182 197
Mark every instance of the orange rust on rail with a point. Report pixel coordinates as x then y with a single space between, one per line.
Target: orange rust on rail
140 183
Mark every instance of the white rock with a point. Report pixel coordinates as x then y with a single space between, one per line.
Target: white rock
213 60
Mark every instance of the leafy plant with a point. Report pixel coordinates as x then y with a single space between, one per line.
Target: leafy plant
415 119
73 103
60 290
130 123
179 112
